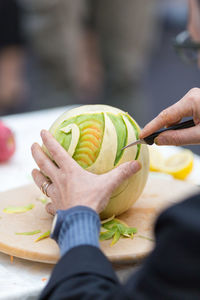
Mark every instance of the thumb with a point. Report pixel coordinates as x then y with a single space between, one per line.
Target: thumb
121 173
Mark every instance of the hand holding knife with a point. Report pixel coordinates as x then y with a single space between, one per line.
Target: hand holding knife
150 139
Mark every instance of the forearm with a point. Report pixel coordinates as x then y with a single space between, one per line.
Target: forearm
83 273
83 269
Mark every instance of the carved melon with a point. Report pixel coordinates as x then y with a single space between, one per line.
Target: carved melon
94 136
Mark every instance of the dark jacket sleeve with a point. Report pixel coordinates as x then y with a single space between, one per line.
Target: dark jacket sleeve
171 272
83 273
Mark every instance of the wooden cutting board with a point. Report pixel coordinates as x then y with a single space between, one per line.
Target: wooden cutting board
158 194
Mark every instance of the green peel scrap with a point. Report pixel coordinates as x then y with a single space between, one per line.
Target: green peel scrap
115 238
18 209
106 220
28 233
145 238
114 229
106 235
43 236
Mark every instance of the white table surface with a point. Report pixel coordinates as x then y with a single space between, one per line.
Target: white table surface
24 279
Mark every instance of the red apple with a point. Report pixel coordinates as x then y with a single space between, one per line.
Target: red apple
7 143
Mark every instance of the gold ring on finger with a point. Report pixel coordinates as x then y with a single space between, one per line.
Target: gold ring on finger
44 187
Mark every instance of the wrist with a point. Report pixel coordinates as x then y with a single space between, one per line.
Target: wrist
57 223
77 226
61 215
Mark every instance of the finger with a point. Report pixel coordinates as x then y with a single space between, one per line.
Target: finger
121 173
44 162
58 153
166 118
50 208
39 179
189 105
180 137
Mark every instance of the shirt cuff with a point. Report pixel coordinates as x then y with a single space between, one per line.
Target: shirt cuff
79 225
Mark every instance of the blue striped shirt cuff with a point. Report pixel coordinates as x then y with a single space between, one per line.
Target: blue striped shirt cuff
80 226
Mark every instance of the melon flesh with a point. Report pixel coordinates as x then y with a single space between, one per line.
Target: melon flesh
94 136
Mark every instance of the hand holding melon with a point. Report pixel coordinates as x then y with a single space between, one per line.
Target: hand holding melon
94 136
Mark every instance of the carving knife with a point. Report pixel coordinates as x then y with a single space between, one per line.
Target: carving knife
150 139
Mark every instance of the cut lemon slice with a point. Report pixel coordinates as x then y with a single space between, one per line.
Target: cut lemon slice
156 159
179 165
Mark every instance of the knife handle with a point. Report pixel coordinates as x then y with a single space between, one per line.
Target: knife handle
187 124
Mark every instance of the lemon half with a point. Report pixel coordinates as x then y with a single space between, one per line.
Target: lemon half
178 165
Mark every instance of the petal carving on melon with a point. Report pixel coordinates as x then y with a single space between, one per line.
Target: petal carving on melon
106 157
82 137
91 136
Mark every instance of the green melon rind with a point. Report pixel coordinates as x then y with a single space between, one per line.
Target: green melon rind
136 129
138 151
122 134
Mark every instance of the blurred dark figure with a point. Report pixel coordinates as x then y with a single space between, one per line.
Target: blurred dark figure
89 51
12 85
